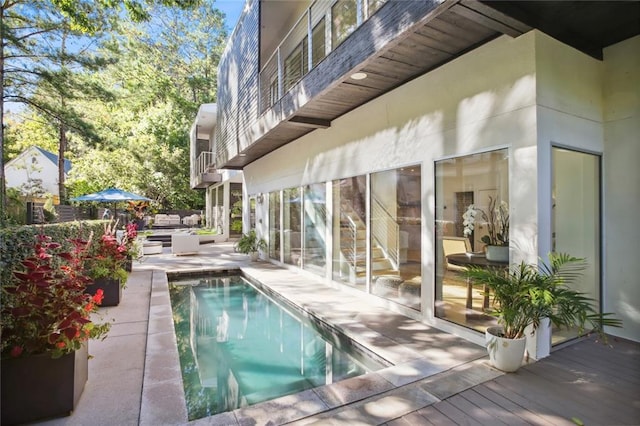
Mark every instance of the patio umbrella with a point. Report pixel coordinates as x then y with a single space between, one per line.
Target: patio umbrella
111 195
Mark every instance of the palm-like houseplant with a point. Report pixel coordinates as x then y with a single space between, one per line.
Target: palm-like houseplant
250 244
527 294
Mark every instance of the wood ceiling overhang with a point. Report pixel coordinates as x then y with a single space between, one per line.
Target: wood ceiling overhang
406 39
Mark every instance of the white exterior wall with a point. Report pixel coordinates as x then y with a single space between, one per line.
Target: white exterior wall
621 177
524 94
19 170
228 177
448 112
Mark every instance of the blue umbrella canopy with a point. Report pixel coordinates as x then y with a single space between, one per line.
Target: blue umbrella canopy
111 195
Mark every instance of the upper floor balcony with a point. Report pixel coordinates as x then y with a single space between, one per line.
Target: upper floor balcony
318 30
320 59
202 164
204 171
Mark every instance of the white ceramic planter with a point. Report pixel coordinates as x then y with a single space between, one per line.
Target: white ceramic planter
504 354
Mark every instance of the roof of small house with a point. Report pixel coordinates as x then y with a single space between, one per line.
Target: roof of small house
47 154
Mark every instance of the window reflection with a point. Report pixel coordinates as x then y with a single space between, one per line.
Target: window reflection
395 228
274 225
475 179
349 230
292 226
344 20
315 213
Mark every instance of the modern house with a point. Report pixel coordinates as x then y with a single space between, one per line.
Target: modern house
35 173
223 187
365 129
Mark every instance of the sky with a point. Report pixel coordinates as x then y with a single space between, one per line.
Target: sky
232 9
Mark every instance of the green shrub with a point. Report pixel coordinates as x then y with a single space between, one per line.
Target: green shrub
16 242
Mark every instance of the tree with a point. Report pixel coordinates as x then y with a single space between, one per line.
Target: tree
44 46
166 69
37 69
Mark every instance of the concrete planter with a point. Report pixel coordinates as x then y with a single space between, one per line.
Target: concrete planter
39 387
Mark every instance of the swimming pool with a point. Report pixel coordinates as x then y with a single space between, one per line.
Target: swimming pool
238 346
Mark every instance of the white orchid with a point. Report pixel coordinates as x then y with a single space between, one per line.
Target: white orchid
497 222
469 219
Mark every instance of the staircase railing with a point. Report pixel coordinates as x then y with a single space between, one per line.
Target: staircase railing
385 231
351 251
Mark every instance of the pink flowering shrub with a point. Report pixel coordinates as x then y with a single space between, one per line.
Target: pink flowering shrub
44 307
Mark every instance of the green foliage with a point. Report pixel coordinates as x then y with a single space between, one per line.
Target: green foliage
527 293
16 242
250 243
118 96
16 207
45 308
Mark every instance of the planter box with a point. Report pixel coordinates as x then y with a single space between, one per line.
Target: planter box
38 387
111 288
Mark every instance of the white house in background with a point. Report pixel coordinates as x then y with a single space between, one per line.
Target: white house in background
223 187
365 128
35 168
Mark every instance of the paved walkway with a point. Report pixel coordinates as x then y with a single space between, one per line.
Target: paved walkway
135 375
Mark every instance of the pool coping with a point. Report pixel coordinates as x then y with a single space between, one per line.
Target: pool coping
163 400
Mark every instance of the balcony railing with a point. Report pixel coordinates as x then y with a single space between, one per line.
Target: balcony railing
205 163
204 171
318 31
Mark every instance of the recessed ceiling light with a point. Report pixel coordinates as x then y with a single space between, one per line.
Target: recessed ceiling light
242 155
359 76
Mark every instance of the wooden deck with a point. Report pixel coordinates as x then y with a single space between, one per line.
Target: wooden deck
583 383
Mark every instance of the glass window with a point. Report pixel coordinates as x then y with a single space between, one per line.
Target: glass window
274 225
395 227
252 212
236 209
479 181
296 65
315 228
576 219
220 196
349 230
273 90
318 44
373 6
344 20
292 226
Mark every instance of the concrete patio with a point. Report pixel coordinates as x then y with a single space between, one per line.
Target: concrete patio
134 377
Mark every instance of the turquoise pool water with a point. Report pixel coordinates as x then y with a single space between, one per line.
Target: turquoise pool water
239 347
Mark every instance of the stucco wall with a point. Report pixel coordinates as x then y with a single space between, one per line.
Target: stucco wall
448 112
527 94
622 184
594 106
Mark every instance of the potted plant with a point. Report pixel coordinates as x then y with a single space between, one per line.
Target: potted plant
46 320
139 209
106 266
497 221
132 245
526 296
250 244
